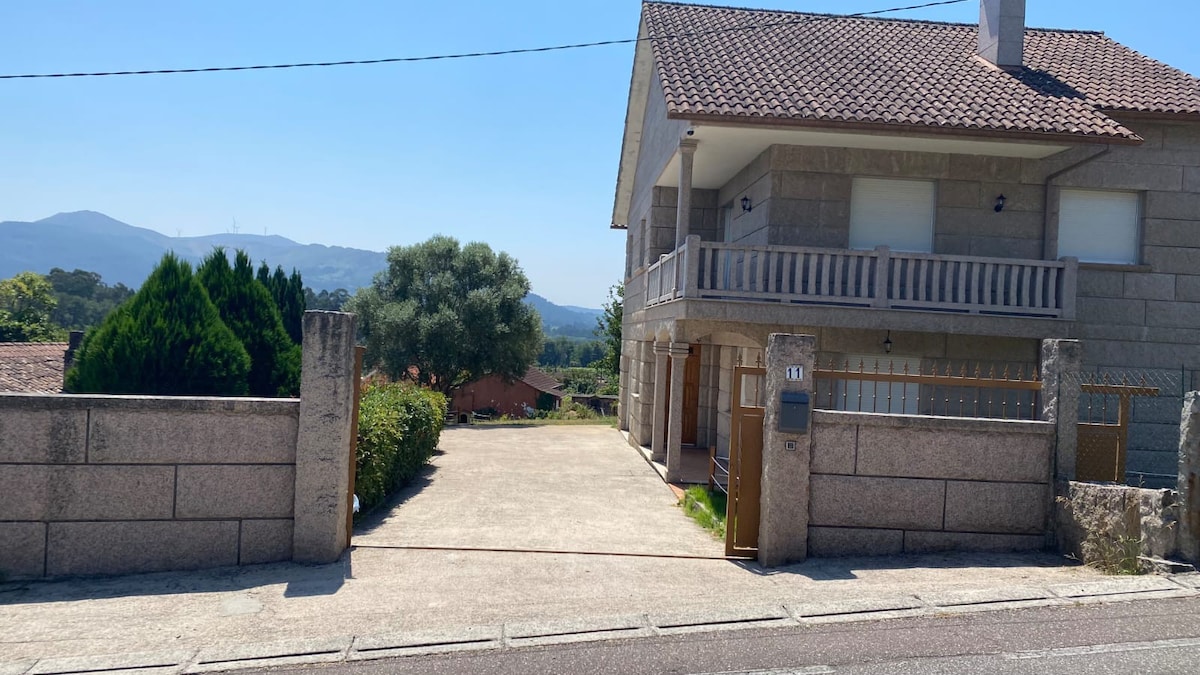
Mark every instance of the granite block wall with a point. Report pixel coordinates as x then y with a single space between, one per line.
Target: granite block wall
884 484
98 485
118 484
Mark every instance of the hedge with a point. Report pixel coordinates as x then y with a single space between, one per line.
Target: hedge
398 430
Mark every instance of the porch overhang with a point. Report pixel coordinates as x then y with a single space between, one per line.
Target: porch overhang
726 147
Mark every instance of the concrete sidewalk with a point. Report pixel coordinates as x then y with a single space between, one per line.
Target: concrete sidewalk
384 600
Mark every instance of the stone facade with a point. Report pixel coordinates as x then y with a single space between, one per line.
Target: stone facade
1135 319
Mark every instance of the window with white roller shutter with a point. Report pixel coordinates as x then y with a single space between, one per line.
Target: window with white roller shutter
1098 226
898 214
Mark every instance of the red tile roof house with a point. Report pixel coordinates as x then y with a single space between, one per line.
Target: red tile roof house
514 399
765 152
32 367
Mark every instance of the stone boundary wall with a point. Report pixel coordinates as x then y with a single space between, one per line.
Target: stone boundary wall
93 485
116 484
885 484
1093 517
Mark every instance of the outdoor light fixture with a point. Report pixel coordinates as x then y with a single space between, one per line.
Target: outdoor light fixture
746 207
1000 203
887 343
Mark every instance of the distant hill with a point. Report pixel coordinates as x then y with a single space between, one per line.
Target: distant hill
122 253
565 321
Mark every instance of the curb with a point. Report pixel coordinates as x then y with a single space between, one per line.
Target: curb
520 634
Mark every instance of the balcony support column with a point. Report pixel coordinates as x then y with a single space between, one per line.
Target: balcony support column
683 207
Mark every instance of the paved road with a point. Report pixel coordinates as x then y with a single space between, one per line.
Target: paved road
560 488
1152 636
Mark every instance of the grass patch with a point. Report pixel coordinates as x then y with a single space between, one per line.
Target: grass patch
1119 555
706 508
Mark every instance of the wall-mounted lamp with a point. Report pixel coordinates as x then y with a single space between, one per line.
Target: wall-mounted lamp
746 206
887 343
1000 203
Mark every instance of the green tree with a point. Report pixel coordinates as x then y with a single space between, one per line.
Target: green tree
332 301
168 339
247 308
608 329
26 305
83 298
556 353
289 296
445 314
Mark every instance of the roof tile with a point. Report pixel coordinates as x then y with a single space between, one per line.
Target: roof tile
32 367
790 65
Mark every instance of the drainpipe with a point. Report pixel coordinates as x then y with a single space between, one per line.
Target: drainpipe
1050 244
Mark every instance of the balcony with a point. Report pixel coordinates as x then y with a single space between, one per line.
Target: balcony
879 278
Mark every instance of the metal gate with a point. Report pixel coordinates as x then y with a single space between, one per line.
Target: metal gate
1101 445
745 461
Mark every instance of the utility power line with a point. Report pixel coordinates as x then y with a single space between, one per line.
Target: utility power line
475 55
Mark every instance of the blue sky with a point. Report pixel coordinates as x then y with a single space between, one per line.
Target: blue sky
517 151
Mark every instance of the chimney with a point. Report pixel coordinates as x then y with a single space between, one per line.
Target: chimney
74 340
1002 32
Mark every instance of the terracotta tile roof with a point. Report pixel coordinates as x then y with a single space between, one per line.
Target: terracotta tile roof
32 367
542 381
823 68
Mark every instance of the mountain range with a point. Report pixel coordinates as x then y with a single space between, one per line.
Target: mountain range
123 253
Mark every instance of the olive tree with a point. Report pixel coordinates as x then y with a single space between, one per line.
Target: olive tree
444 315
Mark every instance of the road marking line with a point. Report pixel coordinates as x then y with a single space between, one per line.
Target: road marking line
804 670
1104 649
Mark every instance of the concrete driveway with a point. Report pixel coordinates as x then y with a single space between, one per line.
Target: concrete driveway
548 488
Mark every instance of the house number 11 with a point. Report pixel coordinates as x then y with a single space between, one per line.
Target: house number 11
795 373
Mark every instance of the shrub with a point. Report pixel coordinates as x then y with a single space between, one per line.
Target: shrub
167 339
398 429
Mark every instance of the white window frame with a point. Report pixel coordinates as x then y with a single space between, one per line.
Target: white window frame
1075 239
869 240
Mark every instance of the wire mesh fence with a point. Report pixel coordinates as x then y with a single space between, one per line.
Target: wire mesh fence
1129 425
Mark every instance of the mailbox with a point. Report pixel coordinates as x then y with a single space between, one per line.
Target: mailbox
793 411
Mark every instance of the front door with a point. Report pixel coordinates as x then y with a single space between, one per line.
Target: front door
745 461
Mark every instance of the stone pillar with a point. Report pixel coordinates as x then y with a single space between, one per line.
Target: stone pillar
678 351
783 525
323 439
657 452
1061 361
683 207
1189 479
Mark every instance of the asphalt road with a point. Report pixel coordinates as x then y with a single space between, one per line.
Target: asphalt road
1149 636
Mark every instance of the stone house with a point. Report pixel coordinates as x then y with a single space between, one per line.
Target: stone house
929 192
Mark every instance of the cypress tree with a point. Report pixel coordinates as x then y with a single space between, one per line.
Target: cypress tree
246 306
167 339
288 293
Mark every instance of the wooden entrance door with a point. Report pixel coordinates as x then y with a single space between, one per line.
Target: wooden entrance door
691 396
745 461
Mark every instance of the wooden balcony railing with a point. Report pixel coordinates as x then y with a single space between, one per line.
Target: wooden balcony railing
878 278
